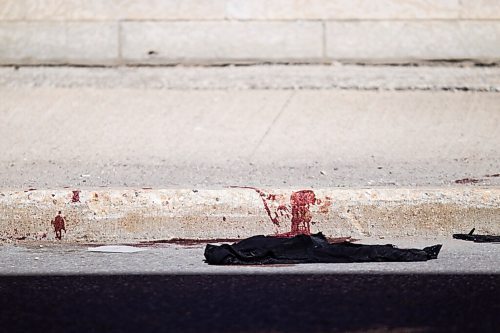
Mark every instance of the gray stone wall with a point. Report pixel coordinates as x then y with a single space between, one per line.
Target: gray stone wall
114 32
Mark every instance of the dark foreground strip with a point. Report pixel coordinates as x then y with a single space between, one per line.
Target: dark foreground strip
246 303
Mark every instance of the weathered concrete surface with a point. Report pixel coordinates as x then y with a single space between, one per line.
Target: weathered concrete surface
56 137
337 76
111 10
226 42
128 215
246 10
389 41
232 9
338 9
43 258
239 31
58 42
153 127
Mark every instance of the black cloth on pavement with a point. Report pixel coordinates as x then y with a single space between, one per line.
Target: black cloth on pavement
477 238
262 250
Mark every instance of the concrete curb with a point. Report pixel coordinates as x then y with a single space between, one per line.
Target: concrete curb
130 215
461 77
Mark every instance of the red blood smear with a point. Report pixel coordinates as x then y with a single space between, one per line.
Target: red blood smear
76 196
301 215
264 201
59 226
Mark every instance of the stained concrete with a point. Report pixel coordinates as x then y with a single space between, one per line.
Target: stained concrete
128 215
40 258
121 130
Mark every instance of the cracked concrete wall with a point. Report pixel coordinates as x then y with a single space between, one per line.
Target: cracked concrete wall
116 32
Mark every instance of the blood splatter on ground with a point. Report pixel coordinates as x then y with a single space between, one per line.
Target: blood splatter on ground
301 215
300 203
76 196
59 224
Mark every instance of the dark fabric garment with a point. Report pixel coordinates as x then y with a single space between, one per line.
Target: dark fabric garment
477 238
261 250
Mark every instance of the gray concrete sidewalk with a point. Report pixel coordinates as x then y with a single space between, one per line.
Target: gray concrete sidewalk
41 258
89 137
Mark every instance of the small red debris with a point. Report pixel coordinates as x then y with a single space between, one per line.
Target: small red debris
493 175
76 196
59 225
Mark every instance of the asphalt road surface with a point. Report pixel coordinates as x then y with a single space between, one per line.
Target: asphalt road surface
251 303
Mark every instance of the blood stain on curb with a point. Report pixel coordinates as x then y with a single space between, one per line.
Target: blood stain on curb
59 225
76 196
301 216
264 201
325 206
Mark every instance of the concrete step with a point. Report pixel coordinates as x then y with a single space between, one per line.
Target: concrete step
131 215
418 154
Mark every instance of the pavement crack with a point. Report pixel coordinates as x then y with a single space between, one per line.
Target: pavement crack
271 125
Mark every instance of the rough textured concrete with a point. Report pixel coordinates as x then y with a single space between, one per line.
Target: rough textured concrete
112 10
485 9
337 76
86 128
56 137
240 9
58 42
200 42
40 258
238 31
246 10
403 41
341 9
130 215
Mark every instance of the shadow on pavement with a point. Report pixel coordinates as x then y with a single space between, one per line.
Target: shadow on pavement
250 303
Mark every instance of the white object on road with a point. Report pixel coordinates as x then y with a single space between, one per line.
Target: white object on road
115 249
